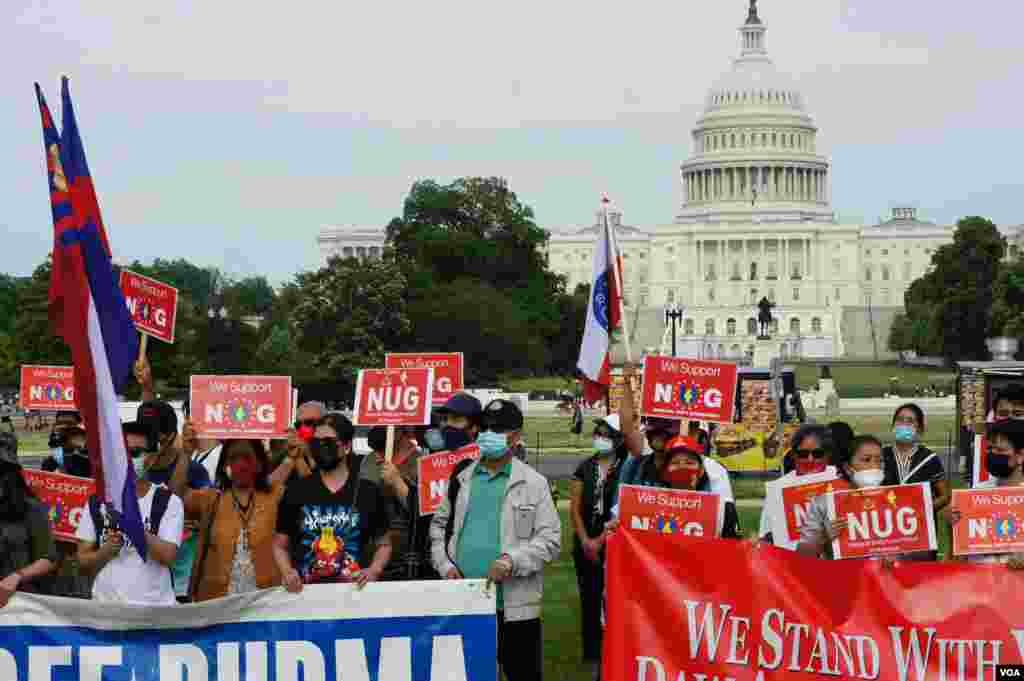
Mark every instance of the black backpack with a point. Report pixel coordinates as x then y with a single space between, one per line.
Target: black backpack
161 498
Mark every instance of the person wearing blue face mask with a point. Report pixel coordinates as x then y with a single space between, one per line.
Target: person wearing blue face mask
503 527
907 461
460 422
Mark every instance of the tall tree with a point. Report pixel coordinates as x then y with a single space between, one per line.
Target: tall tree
348 314
34 340
8 302
953 301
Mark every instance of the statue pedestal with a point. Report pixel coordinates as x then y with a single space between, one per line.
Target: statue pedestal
765 350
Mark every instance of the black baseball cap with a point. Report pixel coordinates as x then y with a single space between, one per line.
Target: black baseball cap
503 415
1013 429
462 404
159 416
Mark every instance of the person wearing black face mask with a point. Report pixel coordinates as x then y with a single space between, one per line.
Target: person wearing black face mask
69 579
27 550
332 526
460 417
63 422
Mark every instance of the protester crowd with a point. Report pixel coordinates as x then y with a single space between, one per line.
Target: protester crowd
237 516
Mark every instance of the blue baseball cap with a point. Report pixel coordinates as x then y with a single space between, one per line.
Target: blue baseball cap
462 404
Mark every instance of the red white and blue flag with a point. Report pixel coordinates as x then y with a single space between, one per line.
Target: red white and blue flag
88 310
604 312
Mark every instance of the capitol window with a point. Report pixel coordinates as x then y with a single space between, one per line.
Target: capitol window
885 273
710 276
751 327
670 296
709 327
688 327
867 273
885 251
730 326
774 139
794 326
711 295
816 325
796 294
837 266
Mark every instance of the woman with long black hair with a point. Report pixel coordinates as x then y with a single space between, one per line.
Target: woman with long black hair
27 549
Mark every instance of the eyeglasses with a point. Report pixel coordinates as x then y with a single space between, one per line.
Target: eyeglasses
808 453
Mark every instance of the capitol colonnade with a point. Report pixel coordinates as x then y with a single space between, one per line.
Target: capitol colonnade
783 182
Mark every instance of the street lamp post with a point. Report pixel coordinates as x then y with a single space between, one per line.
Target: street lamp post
673 315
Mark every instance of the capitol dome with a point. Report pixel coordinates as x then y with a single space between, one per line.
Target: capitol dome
755 146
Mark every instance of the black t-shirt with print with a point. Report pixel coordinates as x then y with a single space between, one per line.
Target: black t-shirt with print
327 529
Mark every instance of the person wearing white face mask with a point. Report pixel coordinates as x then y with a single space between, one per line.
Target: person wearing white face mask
591 491
861 466
498 522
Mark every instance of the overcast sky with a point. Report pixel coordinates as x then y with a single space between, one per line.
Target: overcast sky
229 132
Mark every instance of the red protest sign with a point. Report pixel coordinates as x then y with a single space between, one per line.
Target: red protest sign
240 407
65 495
884 520
48 388
789 499
991 521
435 470
447 368
677 388
979 471
153 304
670 511
394 397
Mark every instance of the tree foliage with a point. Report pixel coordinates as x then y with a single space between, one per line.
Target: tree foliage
349 314
952 310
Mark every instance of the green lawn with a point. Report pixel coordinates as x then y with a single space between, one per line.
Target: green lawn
868 380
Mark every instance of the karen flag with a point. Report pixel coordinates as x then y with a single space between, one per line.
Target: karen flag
604 312
89 311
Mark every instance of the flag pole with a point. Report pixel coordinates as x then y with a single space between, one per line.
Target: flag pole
617 274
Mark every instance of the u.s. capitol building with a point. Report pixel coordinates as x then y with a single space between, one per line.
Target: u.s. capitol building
756 221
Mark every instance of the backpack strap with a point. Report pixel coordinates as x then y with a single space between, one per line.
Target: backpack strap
161 498
198 570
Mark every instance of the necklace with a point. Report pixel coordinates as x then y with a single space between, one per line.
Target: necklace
243 570
244 510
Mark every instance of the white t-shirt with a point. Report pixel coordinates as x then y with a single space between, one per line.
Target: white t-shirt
767 509
126 579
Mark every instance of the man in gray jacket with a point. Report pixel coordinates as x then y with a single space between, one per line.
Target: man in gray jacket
503 527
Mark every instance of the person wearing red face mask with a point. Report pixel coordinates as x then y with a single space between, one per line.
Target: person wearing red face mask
237 521
811 453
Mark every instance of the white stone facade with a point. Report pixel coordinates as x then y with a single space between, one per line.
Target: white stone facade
755 221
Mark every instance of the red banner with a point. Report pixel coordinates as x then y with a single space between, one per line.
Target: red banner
48 388
241 407
434 472
790 499
670 511
884 520
447 370
153 304
677 388
712 609
66 497
394 397
991 521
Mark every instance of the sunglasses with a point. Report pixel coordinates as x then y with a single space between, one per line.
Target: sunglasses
77 451
808 453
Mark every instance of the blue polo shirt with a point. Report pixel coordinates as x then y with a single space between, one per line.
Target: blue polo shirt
479 542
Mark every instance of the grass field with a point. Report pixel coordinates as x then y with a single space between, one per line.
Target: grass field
851 381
